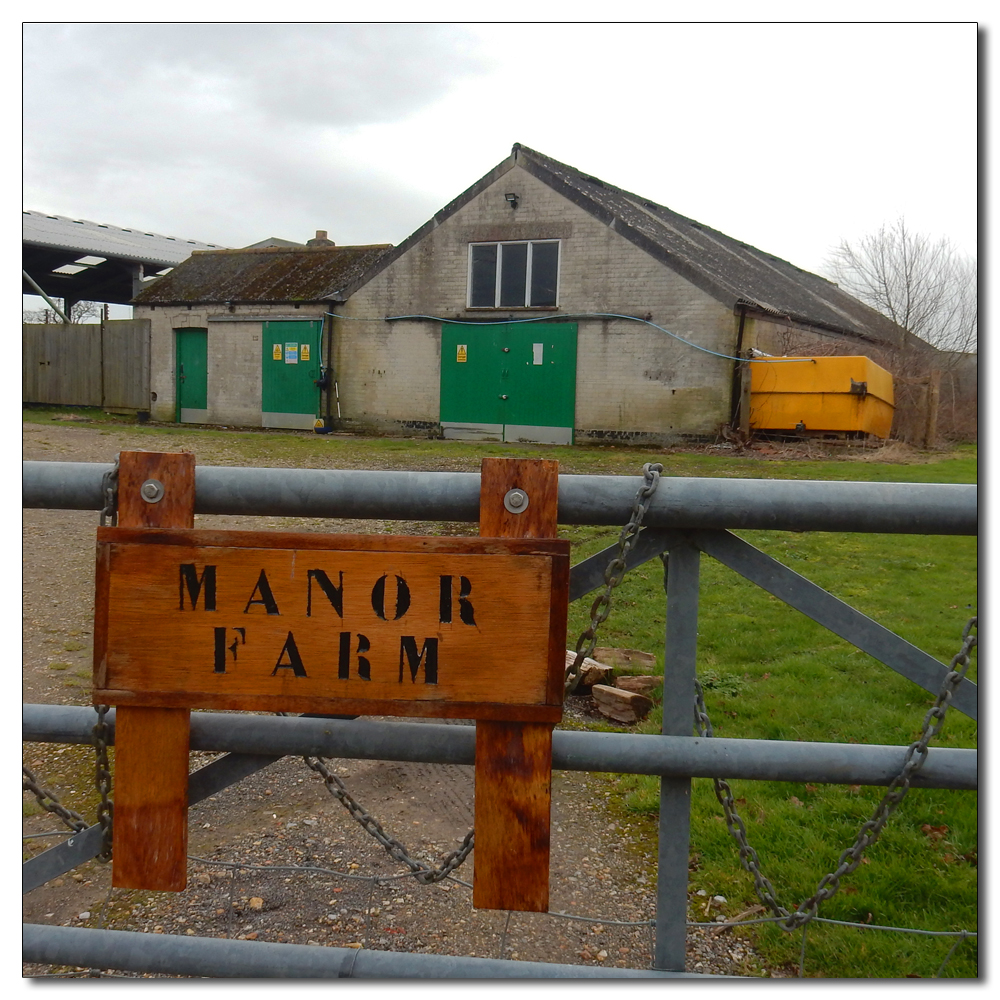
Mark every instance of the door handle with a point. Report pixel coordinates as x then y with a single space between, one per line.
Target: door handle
503 396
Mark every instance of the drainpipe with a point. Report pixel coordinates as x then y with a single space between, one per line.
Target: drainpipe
329 318
736 390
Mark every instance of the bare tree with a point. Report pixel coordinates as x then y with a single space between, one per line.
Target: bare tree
80 313
923 284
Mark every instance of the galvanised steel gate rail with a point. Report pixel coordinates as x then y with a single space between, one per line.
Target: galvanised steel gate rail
685 518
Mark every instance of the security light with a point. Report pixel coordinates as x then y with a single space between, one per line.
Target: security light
511 200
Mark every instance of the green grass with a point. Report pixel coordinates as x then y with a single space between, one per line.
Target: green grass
769 673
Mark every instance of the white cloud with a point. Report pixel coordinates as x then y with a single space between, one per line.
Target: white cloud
787 136
229 126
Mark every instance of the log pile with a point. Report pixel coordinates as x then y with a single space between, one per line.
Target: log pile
622 697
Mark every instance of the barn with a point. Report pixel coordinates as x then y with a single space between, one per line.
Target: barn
239 337
542 304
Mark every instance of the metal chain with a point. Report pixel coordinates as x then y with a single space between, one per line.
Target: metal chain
423 872
914 759
748 856
109 493
48 800
851 858
601 607
102 779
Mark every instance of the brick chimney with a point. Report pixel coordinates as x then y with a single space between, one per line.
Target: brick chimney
320 240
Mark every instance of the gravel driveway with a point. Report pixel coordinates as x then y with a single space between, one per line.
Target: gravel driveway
275 857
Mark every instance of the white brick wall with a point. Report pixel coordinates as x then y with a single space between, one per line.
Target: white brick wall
630 377
234 357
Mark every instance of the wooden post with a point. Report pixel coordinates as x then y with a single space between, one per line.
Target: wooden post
745 400
514 759
933 403
151 744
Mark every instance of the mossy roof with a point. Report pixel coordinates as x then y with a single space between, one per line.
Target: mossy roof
262 275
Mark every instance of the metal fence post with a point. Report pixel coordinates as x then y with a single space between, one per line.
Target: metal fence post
675 793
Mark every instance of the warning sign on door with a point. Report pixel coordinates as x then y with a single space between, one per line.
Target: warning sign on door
276 352
291 354
463 354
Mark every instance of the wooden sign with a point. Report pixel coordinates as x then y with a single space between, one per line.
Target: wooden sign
349 624
338 624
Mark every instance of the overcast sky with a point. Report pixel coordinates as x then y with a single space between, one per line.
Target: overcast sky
789 137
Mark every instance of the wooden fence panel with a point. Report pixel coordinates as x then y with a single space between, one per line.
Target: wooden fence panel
61 364
86 364
126 364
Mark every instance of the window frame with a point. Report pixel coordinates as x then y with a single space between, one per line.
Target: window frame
500 244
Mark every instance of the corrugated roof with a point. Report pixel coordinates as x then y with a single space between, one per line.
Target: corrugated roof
262 274
734 272
83 237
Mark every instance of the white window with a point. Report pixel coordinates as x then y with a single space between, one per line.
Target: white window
512 275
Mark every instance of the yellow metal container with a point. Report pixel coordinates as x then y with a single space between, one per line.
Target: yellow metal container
826 394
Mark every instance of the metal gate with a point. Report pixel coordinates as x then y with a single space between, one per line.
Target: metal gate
687 517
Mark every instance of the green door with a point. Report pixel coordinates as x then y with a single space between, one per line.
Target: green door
509 381
192 375
290 367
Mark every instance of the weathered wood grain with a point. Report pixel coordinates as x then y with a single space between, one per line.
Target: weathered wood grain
293 622
514 760
513 810
539 479
175 470
151 744
150 785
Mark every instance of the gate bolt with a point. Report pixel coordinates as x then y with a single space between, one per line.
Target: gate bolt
151 491
516 501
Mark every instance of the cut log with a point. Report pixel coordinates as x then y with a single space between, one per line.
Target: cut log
625 657
591 672
640 684
623 706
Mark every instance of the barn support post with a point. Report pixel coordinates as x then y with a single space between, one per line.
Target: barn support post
38 289
680 649
739 393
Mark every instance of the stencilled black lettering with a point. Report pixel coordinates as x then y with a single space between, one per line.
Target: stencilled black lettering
294 662
334 594
444 603
402 598
344 659
221 647
364 666
465 609
193 584
266 598
408 656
